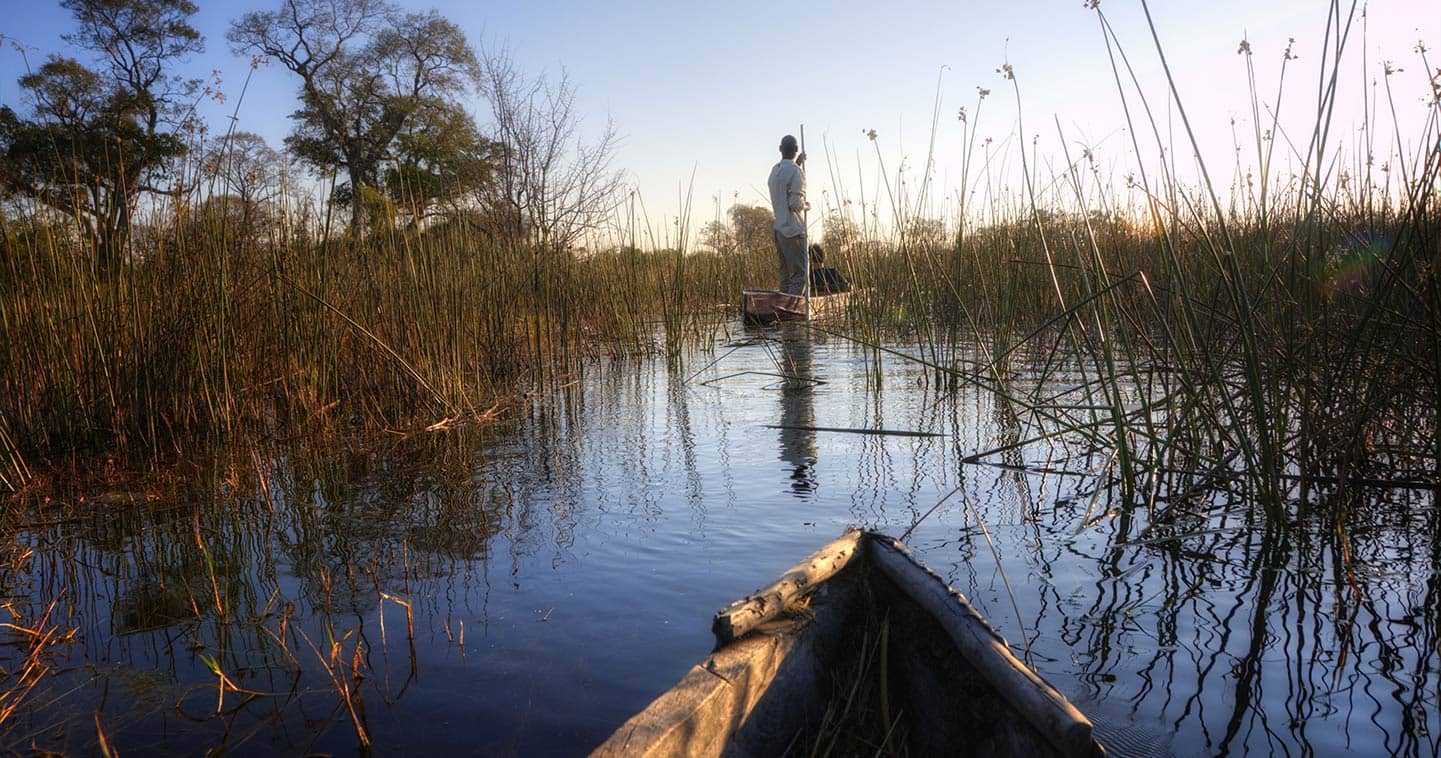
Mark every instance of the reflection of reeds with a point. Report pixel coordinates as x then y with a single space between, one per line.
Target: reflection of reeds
39 639
345 677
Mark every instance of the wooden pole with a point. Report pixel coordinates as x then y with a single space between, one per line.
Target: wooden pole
806 221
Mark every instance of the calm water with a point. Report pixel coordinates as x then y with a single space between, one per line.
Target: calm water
524 587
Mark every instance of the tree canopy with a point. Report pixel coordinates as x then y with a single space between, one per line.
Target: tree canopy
753 226
441 163
97 137
368 74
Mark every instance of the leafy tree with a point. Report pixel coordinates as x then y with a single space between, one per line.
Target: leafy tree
367 72
95 138
926 233
717 236
441 163
839 233
754 227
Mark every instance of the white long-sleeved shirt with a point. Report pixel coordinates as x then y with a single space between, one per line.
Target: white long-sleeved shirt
788 198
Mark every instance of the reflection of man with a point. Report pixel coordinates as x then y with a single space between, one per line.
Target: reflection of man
798 440
788 200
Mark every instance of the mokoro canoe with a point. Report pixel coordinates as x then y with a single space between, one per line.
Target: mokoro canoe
858 648
768 306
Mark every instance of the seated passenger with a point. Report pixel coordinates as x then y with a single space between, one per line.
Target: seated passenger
825 281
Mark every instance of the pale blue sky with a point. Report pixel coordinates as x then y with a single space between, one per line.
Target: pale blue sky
709 88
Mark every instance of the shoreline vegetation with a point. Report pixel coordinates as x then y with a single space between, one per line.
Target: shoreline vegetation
1275 335
1282 328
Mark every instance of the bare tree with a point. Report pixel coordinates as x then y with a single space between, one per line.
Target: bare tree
139 40
553 183
249 170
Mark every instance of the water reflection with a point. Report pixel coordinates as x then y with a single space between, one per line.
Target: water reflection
797 407
523 587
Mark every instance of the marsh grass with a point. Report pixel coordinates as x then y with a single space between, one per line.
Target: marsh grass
209 337
1284 339
1281 343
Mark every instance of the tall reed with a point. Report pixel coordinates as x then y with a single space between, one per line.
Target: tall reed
1281 341
1275 340
211 330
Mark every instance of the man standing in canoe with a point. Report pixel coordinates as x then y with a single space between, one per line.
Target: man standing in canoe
788 200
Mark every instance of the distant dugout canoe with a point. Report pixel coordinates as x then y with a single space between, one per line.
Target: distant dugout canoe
861 616
769 306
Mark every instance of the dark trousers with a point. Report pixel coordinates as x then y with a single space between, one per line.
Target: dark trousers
794 267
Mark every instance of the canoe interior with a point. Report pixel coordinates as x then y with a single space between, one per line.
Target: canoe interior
878 674
859 667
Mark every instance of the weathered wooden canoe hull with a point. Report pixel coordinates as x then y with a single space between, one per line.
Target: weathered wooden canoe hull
769 306
763 690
